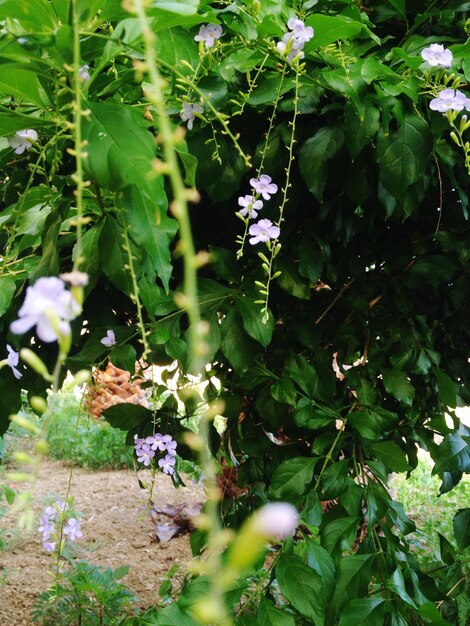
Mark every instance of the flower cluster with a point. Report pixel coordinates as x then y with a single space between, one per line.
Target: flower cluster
50 307
147 448
51 522
209 33
23 140
450 100
264 230
188 113
292 43
437 56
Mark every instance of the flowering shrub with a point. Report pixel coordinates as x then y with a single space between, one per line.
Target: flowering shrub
344 126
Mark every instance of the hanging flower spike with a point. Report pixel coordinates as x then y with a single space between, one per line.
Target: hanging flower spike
209 34
47 302
263 186
263 231
250 206
188 113
167 464
23 140
12 361
110 340
437 56
450 100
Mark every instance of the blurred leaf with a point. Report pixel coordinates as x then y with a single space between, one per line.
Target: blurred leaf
270 615
128 416
461 524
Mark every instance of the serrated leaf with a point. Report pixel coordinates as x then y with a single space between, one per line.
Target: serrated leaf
292 478
397 384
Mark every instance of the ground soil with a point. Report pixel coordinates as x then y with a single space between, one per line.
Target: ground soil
117 530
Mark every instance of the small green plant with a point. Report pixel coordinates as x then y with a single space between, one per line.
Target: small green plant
85 596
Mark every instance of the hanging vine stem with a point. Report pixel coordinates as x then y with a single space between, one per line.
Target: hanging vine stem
275 246
212 609
241 239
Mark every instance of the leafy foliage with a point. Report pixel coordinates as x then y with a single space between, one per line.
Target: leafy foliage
368 277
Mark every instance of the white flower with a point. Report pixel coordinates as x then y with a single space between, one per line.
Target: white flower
12 361
450 100
48 306
209 34
276 520
75 278
110 340
22 140
299 30
264 186
436 55
188 113
263 231
291 46
84 73
250 206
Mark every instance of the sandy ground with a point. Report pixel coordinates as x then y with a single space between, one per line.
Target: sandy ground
117 530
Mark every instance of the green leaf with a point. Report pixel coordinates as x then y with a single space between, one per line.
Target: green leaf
400 6
90 253
340 534
33 15
270 615
189 162
239 349
253 320
453 455
390 453
302 586
171 616
352 579
124 356
329 29
128 416
177 47
447 388
314 156
180 7
113 257
292 478
403 155
21 84
307 414
7 290
397 384
461 524
284 391
319 560
363 611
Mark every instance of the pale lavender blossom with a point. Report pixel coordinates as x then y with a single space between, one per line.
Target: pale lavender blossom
46 525
250 205
209 34
84 73
276 520
450 100
171 446
263 231
49 546
110 340
264 186
167 464
145 454
12 361
72 529
157 442
299 30
49 306
23 140
288 45
138 443
436 55
188 113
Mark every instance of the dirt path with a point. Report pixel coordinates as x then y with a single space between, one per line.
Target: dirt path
117 530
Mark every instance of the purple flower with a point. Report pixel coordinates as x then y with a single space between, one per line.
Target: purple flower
49 306
157 441
49 546
23 140
72 529
188 113
264 186
209 34
167 464
110 340
250 206
450 100
84 73
436 55
12 361
277 520
263 231
171 446
300 32
46 525
145 454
